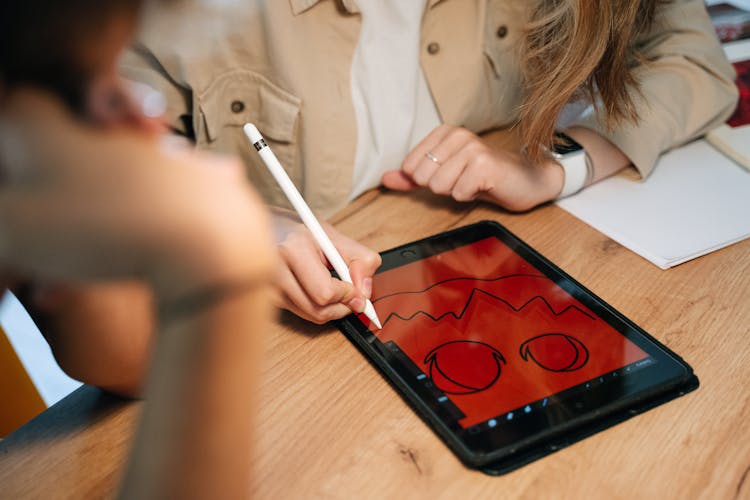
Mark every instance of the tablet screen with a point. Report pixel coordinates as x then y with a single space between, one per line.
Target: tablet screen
501 351
492 332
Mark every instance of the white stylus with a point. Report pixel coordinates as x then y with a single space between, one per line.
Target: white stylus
299 204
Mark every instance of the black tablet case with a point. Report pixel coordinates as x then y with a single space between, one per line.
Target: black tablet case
527 455
541 449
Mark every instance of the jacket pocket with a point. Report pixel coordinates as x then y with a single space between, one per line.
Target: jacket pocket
241 96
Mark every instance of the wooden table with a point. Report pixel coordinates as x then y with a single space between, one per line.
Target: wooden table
331 427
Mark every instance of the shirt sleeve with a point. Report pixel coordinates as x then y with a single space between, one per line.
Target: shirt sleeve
687 86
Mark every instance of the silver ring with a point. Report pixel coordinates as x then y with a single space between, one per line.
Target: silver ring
432 158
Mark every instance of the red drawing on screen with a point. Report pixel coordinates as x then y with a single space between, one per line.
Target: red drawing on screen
464 366
491 331
555 352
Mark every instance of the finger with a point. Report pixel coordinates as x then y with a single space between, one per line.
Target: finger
444 180
451 145
412 160
305 262
398 181
320 315
425 169
472 182
293 298
313 286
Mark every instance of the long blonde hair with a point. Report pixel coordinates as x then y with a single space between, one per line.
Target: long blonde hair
580 49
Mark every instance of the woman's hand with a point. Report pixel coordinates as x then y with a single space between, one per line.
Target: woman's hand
455 162
305 286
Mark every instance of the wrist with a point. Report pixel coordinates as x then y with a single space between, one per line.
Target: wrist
575 163
553 179
606 157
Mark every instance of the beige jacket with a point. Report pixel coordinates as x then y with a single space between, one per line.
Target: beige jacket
284 65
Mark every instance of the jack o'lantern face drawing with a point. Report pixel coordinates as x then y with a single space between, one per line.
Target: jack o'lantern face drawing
556 352
491 331
448 366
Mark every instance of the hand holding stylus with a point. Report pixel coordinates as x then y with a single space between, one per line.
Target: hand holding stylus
303 210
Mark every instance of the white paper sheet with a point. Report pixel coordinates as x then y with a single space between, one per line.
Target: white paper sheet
694 202
34 352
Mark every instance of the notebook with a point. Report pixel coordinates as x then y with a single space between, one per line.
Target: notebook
695 201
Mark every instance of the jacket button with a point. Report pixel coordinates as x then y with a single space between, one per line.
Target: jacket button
433 48
502 31
238 106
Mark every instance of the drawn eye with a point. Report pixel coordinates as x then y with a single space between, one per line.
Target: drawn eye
556 352
464 366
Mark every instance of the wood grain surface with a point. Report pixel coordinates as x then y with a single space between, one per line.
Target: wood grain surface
331 427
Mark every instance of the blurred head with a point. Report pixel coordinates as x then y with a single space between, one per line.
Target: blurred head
70 48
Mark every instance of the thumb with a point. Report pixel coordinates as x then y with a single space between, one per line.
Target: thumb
398 180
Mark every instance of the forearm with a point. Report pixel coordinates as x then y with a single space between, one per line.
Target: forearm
100 334
606 158
194 439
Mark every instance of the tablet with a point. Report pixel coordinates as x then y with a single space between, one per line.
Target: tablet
504 355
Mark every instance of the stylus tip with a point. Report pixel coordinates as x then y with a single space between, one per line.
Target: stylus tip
372 315
376 321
